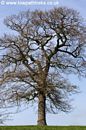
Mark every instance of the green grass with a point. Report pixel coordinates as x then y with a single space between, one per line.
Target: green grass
42 128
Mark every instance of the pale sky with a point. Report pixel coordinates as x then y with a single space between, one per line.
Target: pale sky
29 116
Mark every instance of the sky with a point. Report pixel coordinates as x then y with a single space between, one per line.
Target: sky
29 116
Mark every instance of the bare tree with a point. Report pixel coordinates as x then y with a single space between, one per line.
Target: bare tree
3 110
44 45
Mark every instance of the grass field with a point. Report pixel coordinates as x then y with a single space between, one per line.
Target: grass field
42 128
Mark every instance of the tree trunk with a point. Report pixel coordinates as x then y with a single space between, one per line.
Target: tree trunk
41 110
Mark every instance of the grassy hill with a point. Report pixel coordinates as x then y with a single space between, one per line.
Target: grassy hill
42 128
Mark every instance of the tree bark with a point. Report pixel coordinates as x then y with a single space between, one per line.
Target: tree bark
41 110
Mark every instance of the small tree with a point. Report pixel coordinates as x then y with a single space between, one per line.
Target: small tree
44 46
3 110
